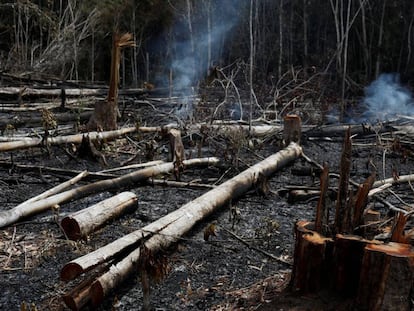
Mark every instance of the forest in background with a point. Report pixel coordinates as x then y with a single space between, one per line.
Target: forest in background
347 43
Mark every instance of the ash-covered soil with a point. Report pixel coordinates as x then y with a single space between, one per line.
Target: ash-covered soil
238 269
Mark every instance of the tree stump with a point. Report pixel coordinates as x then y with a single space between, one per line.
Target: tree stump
348 254
311 259
386 278
292 129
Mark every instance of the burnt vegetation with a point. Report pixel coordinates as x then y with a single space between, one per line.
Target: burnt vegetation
206 155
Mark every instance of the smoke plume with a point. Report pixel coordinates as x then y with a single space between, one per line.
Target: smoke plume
210 27
386 98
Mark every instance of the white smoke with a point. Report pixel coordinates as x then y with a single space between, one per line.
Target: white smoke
386 98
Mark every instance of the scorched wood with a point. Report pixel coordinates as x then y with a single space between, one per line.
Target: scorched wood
386 279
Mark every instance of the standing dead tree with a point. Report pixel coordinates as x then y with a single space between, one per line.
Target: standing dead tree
106 113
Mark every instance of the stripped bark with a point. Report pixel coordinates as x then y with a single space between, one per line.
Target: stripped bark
13 215
80 224
172 226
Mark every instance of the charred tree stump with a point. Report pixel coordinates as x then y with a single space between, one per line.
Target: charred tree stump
348 254
292 129
311 256
386 278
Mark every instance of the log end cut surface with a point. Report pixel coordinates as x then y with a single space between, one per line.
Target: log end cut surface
70 271
71 228
97 293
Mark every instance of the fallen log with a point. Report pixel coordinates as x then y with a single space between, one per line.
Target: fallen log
37 120
132 166
69 92
57 189
171 227
55 170
13 215
80 224
401 179
340 130
75 139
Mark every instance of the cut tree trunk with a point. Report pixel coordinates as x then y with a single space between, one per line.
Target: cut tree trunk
13 215
292 129
348 254
312 256
176 152
171 227
106 113
386 280
75 139
80 224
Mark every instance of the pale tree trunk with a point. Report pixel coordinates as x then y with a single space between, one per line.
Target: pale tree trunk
335 11
365 44
380 37
209 35
305 36
345 56
8 217
409 43
279 65
251 61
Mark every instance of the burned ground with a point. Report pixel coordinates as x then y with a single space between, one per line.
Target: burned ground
238 269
